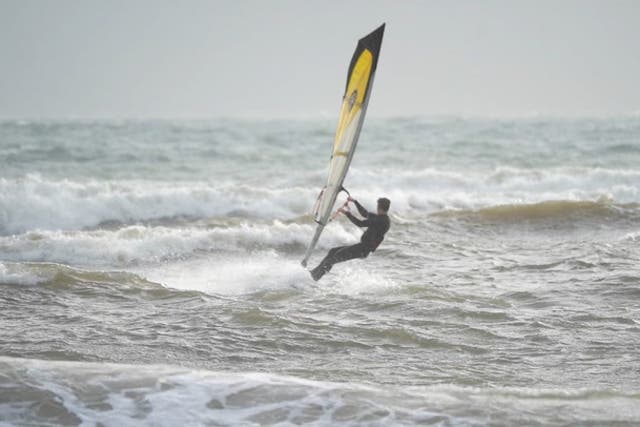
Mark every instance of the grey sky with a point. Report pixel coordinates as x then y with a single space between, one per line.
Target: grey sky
119 58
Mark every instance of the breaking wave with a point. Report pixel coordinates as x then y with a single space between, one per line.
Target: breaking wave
36 203
138 245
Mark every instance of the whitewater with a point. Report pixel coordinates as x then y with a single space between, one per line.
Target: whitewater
150 274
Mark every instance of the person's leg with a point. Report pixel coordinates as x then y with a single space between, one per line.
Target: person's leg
336 255
326 264
328 260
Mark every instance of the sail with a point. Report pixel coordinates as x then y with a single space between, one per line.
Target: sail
354 107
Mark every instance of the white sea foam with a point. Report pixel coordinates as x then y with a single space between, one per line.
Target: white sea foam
127 395
124 395
229 275
632 237
231 260
266 270
143 245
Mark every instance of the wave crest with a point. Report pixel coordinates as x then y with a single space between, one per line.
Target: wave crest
553 209
143 245
34 203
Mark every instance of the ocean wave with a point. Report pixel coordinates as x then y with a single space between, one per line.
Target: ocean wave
14 274
60 276
144 245
226 276
553 209
122 395
35 203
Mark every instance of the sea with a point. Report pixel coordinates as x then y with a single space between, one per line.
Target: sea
150 274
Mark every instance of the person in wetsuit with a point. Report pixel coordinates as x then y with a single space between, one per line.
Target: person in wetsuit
377 225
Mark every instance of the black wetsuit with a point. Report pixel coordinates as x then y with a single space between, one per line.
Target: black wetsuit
377 226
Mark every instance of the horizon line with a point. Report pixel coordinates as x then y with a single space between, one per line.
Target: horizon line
321 116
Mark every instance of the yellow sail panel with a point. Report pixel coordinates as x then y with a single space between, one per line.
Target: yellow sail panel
354 97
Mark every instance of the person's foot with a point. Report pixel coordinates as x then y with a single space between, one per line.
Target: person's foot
316 274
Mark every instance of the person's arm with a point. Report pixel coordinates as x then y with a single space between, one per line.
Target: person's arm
357 221
361 209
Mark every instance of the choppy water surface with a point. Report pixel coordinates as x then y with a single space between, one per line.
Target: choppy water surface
149 274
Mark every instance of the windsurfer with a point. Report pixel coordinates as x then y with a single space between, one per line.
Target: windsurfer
377 225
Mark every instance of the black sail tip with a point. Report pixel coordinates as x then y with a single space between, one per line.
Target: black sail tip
373 40
372 43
